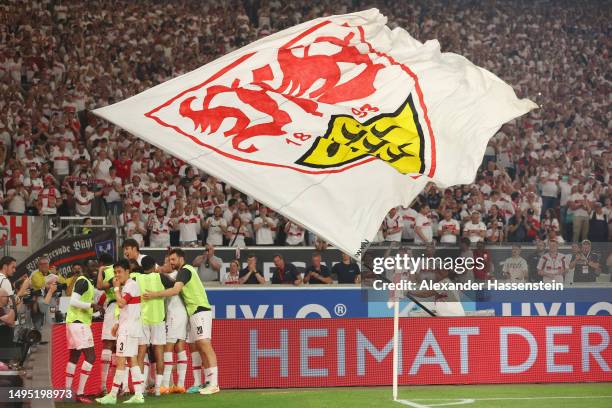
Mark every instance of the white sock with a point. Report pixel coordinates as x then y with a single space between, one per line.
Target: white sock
126 379
196 367
158 382
214 374
181 367
117 381
106 357
85 372
137 380
70 375
145 373
168 364
207 374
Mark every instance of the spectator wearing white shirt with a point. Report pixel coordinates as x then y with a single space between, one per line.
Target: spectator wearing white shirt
550 222
17 198
265 227
231 275
33 182
30 161
84 198
236 233
392 226
475 230
295 234
552 265
190 226
580 204
230 211
135 228
423 230
448 228
515 268
51 206
550 188
49 192
101 166
112 193
216 226
146 207
532 202
160 227
61 156
408 218
247 220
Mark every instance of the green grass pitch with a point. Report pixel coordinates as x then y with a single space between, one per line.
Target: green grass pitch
594 395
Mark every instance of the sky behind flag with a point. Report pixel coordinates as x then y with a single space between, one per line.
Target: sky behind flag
331 122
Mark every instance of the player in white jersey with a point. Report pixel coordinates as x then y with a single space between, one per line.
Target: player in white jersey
128 330
131 251
176 335
105 283
515 268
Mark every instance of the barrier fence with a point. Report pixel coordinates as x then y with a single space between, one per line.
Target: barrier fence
287 353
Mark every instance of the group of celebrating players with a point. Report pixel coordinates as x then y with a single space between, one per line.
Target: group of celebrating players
149 310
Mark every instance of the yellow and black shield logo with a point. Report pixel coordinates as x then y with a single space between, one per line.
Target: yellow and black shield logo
396 138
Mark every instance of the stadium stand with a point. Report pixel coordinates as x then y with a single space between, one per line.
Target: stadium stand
545 176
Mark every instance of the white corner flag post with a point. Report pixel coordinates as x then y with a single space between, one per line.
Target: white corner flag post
396 350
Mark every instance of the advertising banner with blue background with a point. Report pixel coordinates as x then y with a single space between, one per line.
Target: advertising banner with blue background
289 302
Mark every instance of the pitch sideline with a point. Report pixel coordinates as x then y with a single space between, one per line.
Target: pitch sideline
465 401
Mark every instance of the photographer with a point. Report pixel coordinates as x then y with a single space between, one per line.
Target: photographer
8 265
208 264
7 319
39 281
41 301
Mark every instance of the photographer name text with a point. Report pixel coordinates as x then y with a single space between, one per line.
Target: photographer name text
469 285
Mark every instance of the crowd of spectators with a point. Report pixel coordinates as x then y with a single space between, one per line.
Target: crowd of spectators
545 176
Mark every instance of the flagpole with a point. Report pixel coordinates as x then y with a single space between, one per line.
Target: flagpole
396 350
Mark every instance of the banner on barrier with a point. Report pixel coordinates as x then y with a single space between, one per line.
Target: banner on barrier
63 253
292 303
358 352
288 302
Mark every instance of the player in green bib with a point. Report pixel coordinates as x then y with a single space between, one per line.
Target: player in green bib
79 335
153 314
190 287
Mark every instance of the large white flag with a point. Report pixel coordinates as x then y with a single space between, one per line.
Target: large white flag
331 122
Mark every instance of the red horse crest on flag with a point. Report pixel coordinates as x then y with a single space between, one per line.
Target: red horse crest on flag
293 95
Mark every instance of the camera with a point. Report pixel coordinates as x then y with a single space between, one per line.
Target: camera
29 299
60 288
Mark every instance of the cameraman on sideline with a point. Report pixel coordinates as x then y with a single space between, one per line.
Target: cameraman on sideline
8 265
45 283
7 320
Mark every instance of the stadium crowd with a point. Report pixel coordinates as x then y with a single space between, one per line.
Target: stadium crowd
544 177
